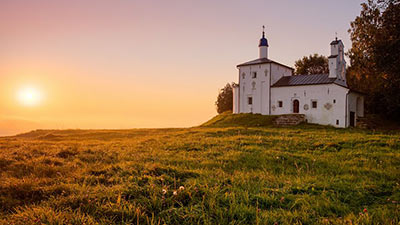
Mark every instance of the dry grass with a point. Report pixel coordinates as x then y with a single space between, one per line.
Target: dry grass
230 175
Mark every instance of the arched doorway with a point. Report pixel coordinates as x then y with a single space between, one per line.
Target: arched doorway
296 106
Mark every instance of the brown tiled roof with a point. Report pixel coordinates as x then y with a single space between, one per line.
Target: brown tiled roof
296 80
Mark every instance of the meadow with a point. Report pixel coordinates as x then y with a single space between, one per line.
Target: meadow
231 170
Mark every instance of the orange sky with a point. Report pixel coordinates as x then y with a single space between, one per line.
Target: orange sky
127 64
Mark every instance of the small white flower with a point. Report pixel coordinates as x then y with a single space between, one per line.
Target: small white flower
181 188
164 191
175 193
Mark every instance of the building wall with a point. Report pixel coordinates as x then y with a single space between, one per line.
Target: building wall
258 88
356 105
330 98
235 108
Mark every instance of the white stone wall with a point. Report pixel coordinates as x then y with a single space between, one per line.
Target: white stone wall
356 105
333 67
258 88
263 52
235 108
330 98
278 72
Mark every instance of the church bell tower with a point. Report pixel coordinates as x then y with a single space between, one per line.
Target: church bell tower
263 46
337 63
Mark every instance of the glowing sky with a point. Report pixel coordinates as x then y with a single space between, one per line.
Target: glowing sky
129 63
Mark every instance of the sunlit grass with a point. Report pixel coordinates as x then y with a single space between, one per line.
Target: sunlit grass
228 175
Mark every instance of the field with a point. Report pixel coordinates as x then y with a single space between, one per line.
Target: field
214 174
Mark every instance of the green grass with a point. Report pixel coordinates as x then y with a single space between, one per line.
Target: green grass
201 175
227 119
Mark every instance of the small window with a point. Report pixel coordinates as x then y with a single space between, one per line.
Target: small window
337 122
334 100
250 100
280 104
243 75
314 104
254 74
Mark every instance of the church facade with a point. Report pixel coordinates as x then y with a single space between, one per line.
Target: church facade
271 88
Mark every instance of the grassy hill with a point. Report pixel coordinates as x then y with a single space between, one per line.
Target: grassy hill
257 174
227 119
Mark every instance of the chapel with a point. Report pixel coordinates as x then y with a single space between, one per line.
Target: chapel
271 88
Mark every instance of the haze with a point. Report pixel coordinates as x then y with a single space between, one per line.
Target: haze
131 64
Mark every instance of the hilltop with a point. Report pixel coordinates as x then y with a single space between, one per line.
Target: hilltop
234 168
227 119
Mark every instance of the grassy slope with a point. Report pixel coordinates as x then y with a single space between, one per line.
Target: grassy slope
227 119
307 174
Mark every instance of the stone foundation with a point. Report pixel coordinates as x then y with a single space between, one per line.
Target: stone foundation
365 123
290 119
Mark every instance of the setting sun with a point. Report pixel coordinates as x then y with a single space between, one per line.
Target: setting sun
29 96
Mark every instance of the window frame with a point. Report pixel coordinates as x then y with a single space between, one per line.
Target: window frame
280 104
312 104
250 100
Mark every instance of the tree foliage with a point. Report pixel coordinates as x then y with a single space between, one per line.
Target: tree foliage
225 99
375 56
313 64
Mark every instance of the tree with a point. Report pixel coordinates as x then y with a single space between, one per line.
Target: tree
375 56
313 64
225 99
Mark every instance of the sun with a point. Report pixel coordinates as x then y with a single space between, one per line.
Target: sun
29 96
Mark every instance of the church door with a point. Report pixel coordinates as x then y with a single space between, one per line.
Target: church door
352 119
296 106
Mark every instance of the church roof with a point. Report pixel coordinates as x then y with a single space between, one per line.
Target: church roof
296 80
262 61
335 42
263 42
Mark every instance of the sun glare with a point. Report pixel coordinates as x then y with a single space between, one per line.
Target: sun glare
29 96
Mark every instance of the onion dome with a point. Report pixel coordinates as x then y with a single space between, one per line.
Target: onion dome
263 41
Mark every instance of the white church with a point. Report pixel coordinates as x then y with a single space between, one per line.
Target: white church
270 88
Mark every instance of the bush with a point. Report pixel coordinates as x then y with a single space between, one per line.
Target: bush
225 99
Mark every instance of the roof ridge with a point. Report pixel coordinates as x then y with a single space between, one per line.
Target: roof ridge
262 61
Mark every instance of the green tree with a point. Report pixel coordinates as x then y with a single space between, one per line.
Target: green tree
375 56
225 99
313 64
